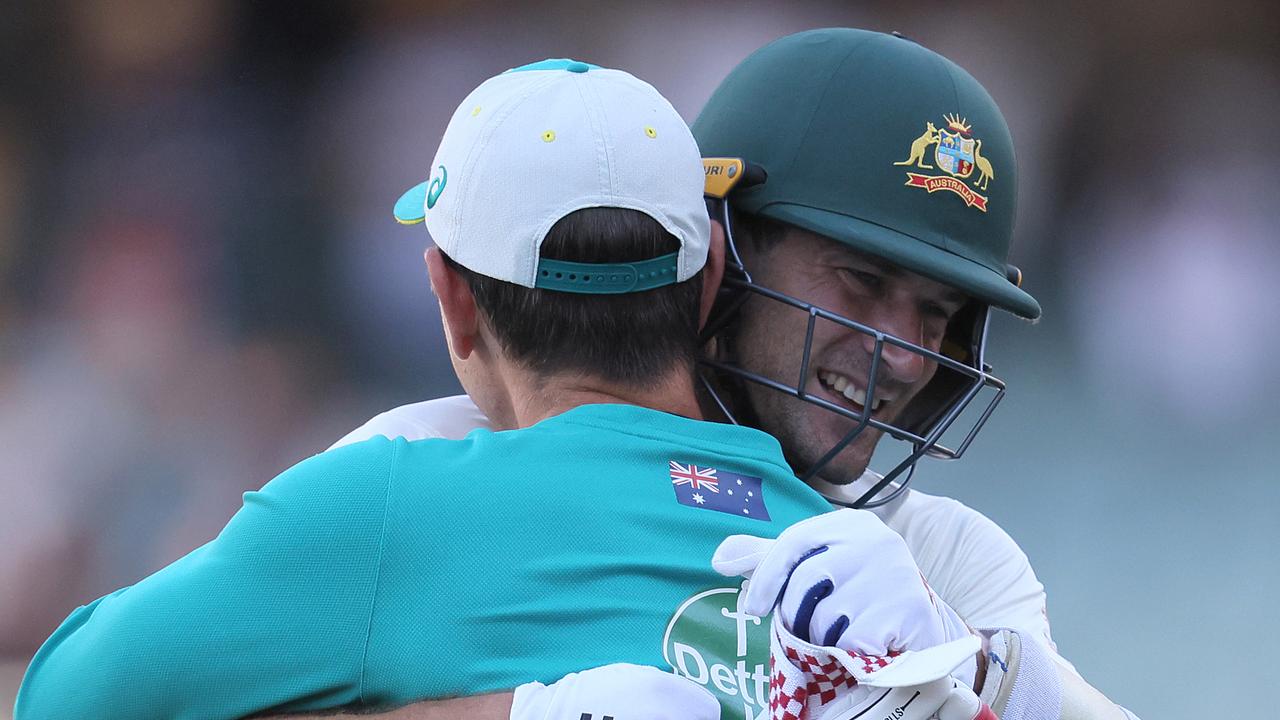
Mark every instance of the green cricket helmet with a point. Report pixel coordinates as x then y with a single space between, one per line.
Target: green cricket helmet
883 145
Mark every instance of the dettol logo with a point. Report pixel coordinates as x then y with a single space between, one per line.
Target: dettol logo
711 641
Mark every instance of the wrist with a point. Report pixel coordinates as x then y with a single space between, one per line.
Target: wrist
980 678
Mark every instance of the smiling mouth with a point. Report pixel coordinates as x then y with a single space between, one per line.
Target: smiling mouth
844 389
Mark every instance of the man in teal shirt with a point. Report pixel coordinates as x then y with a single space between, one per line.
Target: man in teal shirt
574 265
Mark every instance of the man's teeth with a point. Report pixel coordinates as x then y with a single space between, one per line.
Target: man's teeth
842 385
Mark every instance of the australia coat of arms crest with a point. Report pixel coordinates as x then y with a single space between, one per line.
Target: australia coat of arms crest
957 153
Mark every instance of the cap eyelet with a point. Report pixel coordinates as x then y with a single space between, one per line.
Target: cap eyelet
548 136
648 130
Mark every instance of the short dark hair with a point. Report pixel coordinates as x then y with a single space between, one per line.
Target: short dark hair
634 339
760 232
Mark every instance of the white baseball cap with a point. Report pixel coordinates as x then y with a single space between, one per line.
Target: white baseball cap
541 141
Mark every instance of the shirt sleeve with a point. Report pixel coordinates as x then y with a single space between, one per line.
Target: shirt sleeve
273 614
974 565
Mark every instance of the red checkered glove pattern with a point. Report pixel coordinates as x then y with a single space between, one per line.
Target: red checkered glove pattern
808 682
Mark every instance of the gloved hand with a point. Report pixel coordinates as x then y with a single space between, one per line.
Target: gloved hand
809 682
842 579
621 691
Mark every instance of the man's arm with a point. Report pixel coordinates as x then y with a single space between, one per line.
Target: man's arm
979 570
495 706
845 579
272 614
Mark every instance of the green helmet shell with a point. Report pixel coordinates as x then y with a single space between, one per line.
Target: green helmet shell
879 143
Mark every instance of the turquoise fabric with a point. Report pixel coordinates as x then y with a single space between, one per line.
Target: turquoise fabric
411 207
557 64
389 571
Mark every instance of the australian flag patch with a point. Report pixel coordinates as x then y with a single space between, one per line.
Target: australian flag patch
714 489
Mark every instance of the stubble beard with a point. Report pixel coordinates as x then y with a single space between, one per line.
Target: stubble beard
808 432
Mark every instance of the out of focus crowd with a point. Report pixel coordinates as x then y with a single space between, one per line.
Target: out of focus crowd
201 283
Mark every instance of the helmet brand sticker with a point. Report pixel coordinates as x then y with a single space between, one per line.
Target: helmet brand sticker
958 154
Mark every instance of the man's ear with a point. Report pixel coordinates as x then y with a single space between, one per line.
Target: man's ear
712 272
457 304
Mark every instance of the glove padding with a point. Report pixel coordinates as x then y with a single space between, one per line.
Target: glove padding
842 579
622 691
809 682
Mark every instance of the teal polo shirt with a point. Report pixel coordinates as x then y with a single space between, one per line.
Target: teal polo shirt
390 571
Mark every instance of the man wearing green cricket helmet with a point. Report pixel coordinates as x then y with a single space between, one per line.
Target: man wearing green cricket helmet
868 186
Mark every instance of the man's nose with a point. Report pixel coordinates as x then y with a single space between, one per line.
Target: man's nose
896 362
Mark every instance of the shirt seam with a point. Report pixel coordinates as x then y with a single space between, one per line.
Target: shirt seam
377 573
826 90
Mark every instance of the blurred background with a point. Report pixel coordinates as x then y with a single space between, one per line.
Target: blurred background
201 283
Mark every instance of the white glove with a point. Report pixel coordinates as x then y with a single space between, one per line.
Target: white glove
809 682
842 579
620 691
943 699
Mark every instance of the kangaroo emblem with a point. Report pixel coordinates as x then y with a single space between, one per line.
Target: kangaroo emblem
985 173
958 155
920 145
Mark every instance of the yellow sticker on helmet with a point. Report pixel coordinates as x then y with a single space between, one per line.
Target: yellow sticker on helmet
721 175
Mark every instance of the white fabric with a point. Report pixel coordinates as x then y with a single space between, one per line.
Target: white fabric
620 690
605 137
876 590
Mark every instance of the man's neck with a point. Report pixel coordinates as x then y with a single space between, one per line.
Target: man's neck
535 401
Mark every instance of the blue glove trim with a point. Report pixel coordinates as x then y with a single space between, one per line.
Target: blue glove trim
804 615
783 590
835 631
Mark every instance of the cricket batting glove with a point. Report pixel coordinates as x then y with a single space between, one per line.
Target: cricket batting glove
620 691
808 682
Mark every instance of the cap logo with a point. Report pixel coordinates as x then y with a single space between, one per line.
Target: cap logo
436 187
958 154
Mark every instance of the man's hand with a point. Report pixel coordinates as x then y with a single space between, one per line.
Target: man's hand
842 579
621 691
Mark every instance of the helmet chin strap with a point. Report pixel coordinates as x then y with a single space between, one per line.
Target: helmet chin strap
863 493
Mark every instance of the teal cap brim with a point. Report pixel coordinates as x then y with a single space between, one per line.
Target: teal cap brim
973 278
411 207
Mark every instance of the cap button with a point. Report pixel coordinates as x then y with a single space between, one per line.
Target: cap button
577 67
